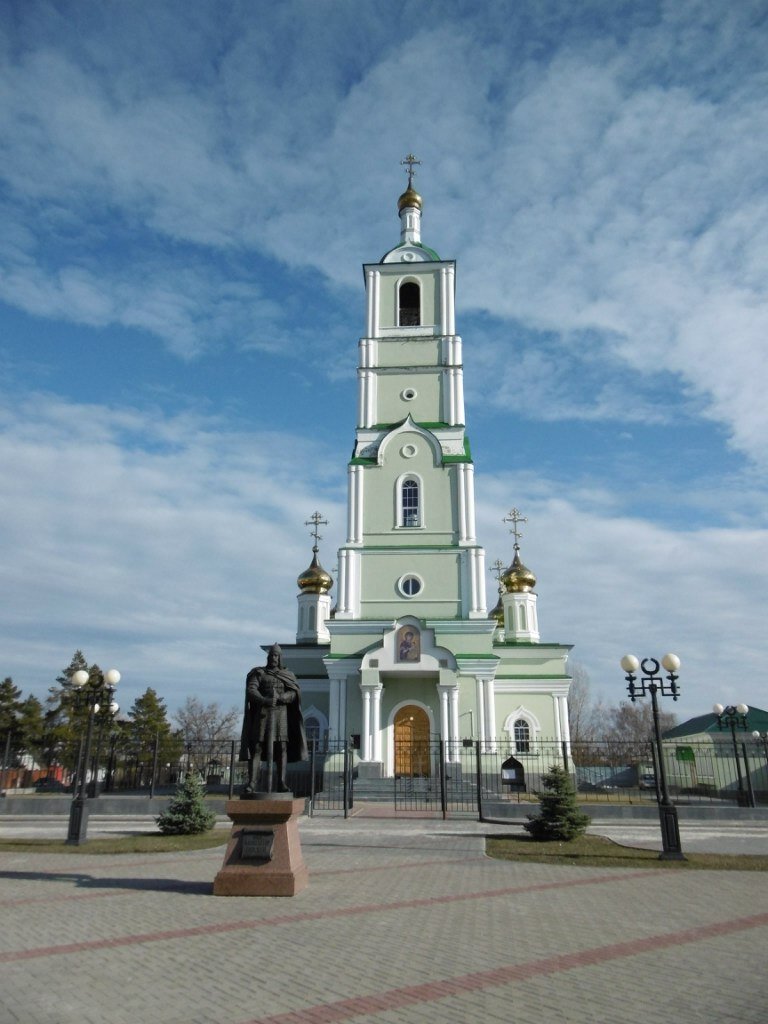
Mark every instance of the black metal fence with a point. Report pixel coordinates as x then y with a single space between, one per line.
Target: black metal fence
442 778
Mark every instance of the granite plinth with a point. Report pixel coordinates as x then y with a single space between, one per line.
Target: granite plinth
263 855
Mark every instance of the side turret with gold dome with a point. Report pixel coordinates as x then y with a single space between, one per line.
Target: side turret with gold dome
314 599
518 601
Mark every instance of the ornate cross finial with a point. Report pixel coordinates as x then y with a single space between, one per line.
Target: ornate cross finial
316 521
497 569
410 160
515 517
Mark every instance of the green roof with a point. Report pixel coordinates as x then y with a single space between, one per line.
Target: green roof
757 719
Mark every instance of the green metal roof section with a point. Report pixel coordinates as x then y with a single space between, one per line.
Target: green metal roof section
757 720
434 258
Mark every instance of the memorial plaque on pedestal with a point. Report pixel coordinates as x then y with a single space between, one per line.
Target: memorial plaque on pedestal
263 855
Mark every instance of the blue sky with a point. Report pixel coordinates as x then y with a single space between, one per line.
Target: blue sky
187 194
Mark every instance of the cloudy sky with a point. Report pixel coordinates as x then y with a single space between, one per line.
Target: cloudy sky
187 194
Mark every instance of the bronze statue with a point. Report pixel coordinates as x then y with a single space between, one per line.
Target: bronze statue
273 724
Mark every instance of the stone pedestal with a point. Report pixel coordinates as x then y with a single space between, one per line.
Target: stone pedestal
263 855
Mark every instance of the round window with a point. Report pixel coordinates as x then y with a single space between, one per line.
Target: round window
408 394
410 585
408 451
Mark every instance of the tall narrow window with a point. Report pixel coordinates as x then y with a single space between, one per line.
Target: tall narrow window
410 502
522 733
409 303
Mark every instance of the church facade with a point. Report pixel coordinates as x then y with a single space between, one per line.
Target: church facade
410 652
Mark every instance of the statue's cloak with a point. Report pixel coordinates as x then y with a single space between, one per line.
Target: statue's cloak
252 715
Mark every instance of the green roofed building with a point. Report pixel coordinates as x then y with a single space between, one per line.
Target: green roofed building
410 650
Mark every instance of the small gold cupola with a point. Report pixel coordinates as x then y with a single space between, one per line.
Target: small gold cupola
315 580
518 578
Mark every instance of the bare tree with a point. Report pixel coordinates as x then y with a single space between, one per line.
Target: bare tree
585 715
203 727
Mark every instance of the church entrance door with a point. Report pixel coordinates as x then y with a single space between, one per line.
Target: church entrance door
412 742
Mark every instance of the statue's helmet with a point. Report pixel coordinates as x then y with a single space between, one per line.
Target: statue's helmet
274 651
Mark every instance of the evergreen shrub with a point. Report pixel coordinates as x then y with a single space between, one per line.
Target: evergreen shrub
187 814
559 817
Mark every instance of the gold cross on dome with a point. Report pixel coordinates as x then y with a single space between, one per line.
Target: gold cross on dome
497 569
316 521
515 518
410 160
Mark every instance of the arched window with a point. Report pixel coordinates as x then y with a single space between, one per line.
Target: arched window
522 734
410 514
409 305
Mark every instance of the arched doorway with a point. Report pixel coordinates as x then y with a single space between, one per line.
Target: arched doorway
412 742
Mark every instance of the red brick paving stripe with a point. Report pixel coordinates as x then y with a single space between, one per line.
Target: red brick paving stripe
300 918
432 991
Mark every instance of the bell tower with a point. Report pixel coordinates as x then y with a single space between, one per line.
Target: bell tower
411 546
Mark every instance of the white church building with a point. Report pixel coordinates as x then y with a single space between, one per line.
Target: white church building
410 651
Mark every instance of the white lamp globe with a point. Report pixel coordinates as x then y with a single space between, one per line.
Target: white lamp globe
671 662
112 677
80 678
114 707
630 663
718 709
742 709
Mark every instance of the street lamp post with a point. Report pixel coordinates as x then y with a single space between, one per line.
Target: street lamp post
653 682
90 694
733 717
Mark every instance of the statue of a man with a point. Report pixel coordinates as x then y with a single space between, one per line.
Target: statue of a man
272 715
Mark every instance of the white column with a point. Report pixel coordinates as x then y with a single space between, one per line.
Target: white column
370 319
376 723
374 332
556 712
355 505
450 320
482 726
366 737
444 302
490 712
444 714
461 486
454 723
469 499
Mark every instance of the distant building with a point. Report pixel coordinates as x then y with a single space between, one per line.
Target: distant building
410 651
700 758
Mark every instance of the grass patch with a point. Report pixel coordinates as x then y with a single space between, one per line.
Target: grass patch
142 842
597 852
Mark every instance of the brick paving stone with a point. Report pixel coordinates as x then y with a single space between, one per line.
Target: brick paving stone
400 923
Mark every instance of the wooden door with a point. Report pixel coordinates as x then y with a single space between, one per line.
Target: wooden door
412 754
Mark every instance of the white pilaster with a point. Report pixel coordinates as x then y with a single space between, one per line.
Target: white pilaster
376 723
490 714
366 737
481 722
454 754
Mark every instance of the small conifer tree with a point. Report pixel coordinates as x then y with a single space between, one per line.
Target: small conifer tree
559 817
187 814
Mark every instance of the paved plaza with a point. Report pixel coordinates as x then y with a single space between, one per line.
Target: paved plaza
402 922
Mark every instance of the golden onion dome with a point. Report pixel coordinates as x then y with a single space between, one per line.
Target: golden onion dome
409 198
315 580
497 613
518 578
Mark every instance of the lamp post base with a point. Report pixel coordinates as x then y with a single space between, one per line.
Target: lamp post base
78 821
672 848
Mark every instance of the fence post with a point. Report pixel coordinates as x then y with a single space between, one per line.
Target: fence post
232 768
6 760
564 747
443 799
478 781
747 772
155 756
345 780
312 750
